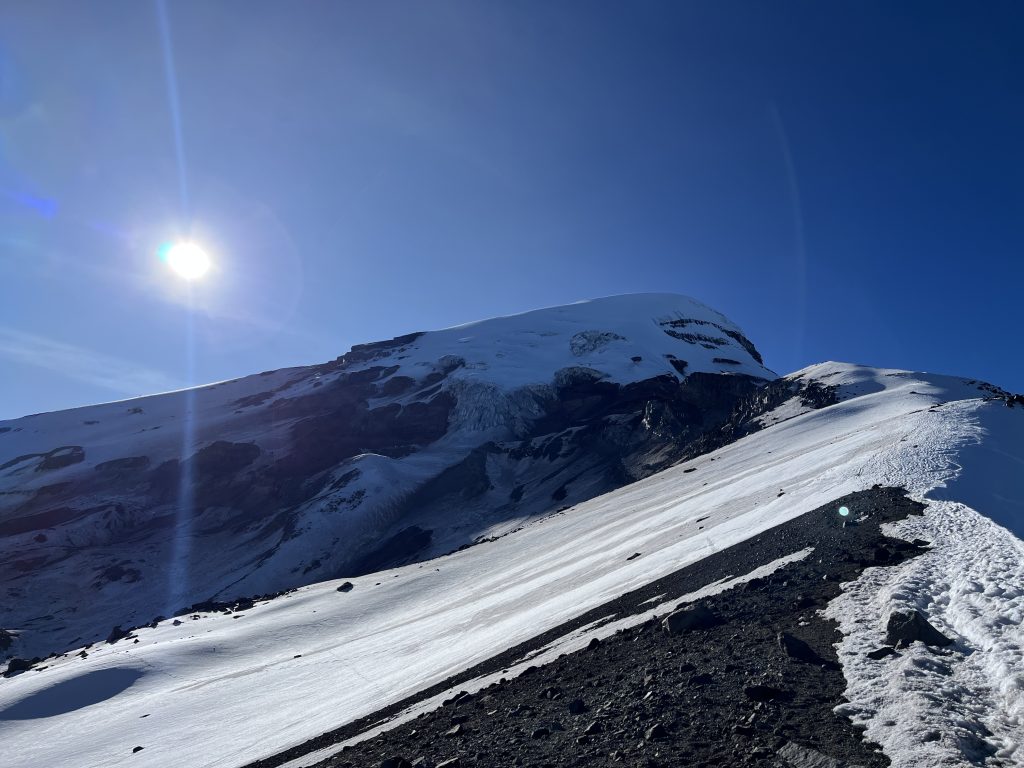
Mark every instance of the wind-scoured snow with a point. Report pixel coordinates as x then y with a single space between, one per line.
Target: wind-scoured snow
226 689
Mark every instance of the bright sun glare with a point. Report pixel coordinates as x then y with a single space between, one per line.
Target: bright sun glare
187 260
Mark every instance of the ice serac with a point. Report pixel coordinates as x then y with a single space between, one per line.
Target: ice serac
397 451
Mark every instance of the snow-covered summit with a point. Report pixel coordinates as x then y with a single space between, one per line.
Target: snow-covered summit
626 338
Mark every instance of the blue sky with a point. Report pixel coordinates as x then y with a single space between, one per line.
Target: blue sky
845 180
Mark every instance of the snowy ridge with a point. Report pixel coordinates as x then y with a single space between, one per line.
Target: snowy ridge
292 668
299 475
967 704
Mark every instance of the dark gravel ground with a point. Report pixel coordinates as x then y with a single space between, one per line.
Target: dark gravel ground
732 694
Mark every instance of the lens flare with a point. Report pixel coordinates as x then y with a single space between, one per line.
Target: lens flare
187 260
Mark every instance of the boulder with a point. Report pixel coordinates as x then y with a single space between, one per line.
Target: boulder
689 619
905 627
116 634
18 665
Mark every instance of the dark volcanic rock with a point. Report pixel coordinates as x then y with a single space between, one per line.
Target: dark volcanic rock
906 627
346 587
727 697
691 618
116 634
62 457
19 665
655 732
797 649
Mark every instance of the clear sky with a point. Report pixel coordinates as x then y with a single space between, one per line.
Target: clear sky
843 179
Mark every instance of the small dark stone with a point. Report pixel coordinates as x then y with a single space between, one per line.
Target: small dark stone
540 733
346 587
594 727
800 602
797 649
577 707
700 680
395 762
634 556
906 627
594 642
655 732
458 730
137 749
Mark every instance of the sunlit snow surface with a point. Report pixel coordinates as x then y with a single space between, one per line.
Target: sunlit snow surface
499 372
223 690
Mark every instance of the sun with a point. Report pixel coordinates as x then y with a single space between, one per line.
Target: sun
186 259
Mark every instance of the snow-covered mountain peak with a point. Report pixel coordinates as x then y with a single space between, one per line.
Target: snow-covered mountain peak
626 338
398 450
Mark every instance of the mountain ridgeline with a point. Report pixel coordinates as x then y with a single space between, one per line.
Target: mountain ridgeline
395 452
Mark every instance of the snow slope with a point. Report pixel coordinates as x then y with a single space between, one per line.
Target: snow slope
116 513
227 689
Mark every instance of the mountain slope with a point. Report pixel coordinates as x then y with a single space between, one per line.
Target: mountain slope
395 452
288 669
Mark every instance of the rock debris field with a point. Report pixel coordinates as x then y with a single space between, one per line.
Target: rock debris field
745 677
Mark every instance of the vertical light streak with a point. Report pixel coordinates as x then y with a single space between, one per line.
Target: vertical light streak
178 587
173 104
798 228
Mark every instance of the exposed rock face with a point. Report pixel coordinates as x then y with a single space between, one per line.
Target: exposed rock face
396 451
